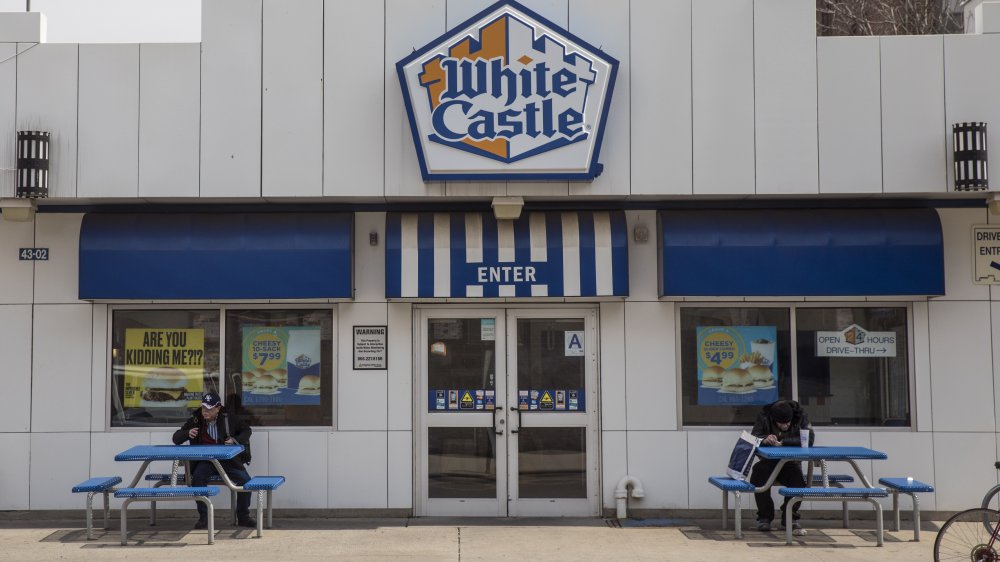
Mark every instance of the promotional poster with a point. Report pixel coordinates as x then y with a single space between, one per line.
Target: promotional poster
164 368
737 365
281 366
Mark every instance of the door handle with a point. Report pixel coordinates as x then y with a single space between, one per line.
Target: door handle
498 425
518 428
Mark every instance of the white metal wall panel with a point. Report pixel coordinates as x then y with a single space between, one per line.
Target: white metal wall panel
369 260
971 90
400 471
785 97
59 461
60 367
14 470
301 457
960 361
292 98
956 229
923 417
8 106
704 459
15 348
16 281
614 463
963 468
358 72
660 108
57 279
353 411
169 120
850 130
722 96
651 388
108 164
612 371
556 11
910 454
103 448
605 24
400 375
358 463
47 101
409 25
913 129
230 98
643 258
655 457
99 368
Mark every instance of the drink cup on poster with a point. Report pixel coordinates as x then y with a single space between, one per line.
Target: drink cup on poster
804 437
765 348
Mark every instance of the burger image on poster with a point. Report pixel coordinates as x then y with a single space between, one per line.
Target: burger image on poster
711 377
309 386
265 385
762 376
736 381
164 387
280 375
247 380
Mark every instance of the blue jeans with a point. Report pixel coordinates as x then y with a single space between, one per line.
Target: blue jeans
201 471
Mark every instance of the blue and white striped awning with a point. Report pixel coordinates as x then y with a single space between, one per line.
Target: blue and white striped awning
570 254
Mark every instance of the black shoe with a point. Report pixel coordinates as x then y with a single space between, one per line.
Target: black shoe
247 522
202 523
763 525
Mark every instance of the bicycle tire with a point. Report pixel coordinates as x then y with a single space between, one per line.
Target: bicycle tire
989 497
967 535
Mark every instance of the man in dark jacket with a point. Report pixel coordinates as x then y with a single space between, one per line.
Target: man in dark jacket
211 424
778 424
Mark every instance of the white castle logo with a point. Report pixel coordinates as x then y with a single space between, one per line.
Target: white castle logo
507 88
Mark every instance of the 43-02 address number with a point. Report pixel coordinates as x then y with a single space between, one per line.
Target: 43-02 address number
33 254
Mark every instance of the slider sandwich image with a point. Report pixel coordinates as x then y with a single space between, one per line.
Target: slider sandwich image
265 384
248 380
309 386
711 377
737 381
280 375
164 386
762 376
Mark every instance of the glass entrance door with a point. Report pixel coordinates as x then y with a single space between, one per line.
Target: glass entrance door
507 413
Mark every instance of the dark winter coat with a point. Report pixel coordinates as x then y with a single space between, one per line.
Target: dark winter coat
229 425
765 426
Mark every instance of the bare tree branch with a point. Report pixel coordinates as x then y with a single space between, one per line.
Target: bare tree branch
886 17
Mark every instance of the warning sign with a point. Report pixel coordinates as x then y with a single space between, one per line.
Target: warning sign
546 402
467 402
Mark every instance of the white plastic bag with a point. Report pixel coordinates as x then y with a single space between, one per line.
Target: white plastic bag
742 458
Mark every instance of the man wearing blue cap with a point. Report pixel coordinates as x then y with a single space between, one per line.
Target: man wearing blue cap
211 424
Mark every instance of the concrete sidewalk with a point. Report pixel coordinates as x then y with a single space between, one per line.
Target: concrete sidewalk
456 539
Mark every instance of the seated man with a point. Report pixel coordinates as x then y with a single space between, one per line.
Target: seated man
211 424
779 424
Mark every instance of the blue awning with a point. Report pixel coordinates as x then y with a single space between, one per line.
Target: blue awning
572 254
801 252
216 256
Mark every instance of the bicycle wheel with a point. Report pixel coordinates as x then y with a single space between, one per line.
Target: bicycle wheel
970 535
990 500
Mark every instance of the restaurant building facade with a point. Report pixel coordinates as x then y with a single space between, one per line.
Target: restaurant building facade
452 257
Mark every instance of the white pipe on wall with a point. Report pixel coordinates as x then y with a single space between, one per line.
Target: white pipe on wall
621 493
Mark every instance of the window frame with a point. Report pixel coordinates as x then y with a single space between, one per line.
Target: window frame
222 309
792 307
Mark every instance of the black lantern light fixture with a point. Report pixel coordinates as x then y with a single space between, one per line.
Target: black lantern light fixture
32 164
970 157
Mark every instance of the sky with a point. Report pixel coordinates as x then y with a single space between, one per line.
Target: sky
116 21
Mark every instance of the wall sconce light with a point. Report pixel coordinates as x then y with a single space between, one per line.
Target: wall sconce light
507 208
32 164
971 173
17 210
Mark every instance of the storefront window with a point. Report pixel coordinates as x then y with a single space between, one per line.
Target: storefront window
162 361
852 365
733 361
279 366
